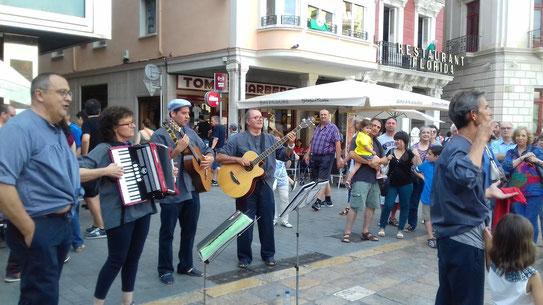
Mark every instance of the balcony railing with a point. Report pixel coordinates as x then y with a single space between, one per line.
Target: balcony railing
356 34
389 55
285 20
534 37
313 25
461 45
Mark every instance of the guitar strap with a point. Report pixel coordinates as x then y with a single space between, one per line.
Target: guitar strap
262 148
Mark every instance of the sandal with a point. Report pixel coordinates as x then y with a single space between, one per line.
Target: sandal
347 184
346 238
345 211
432 243
368 236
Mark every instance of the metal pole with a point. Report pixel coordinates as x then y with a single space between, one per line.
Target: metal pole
220 108
297 254
161 97
205 279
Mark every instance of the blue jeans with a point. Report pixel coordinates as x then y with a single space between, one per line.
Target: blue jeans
461 273
41 263
530 210
412 217
404 192
124 246
76 228
261 204
187 212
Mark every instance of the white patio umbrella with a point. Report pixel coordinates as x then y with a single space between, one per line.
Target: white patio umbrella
399 113
13 86
349 93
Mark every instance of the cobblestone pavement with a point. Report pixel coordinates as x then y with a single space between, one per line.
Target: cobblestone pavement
389 271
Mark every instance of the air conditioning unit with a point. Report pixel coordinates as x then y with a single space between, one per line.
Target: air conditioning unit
57 54
99 44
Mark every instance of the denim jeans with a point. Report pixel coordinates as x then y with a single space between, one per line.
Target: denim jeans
124 246
260 204
461 273
404 192
187 212
530 210
77 239
42 262
412 217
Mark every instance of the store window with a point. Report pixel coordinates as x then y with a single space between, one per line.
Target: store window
538 110
320 20
148 20
353 21
283 12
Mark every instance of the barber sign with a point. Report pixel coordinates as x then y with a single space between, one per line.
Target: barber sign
212 98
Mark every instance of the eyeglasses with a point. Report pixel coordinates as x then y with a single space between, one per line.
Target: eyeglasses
127 124
62 92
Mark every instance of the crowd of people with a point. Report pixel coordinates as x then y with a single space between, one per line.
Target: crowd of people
53 163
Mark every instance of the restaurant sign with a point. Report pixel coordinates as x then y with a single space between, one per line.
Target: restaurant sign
431 60
189 82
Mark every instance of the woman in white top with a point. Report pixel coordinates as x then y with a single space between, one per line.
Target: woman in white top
510 254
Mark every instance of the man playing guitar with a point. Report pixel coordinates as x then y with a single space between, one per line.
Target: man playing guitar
185 206
260 202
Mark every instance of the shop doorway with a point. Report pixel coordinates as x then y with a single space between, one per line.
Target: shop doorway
149 108
98 92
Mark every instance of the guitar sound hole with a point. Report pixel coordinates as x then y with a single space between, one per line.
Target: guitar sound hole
234 178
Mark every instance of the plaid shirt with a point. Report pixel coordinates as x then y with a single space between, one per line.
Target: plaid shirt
324 139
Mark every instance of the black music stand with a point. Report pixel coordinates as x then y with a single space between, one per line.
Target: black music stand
306 194
216 241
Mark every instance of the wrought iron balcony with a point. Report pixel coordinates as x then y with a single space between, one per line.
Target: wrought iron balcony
356 34
461 45
285 20
389 54
534 38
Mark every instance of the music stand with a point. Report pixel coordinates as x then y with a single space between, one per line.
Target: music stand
306 194
216 241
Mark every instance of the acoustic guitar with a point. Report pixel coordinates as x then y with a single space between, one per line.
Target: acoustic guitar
192 157
239 181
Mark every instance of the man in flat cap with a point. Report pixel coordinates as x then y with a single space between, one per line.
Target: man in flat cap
185 206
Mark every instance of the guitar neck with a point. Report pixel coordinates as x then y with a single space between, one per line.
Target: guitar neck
273 148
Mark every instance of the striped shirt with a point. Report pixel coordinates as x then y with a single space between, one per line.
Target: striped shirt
324 139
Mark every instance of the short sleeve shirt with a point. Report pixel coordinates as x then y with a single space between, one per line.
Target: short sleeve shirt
387 142
366 173
92 127
219 132
427 170
36 159
324 139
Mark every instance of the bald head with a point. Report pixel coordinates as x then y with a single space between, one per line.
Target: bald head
6 113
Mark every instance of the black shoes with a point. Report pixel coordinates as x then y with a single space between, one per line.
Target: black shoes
166 279
192 272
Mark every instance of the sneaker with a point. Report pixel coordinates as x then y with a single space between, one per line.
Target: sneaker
399 235
12 277
328 204
79 249
90 229
96 233
381 232
214 183
286 224
393 222
316 206
409 228
166 279
67 259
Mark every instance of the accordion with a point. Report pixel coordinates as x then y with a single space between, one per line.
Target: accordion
147 172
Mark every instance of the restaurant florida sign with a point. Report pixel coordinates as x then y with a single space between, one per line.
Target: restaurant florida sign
430 60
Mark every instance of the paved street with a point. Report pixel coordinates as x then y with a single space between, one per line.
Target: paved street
390 271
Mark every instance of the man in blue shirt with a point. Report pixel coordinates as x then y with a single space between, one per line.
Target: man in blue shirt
39 183
501 146
460 210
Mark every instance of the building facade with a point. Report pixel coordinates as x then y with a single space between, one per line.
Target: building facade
264 46
30 28
501 41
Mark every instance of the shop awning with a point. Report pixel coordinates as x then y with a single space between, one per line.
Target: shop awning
13 86
349 93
